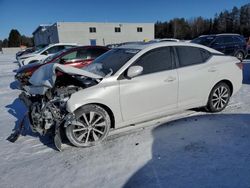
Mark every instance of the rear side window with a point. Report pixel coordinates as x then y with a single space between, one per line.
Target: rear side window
191 55
229 39
156 60
239 39
205 54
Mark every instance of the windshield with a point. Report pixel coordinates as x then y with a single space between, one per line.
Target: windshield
40 50
206 40
111 61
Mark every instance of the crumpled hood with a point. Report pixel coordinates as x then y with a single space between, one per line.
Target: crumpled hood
44 77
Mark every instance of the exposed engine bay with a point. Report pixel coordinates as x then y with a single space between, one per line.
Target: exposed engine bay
45 111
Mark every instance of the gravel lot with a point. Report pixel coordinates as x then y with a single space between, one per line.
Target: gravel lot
196 149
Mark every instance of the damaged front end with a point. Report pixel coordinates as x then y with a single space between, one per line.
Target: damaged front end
47 96
45 111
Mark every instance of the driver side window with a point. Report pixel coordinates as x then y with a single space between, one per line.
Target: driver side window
156 60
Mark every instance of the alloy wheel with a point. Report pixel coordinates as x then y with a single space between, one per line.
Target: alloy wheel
240 56
89 128
220 97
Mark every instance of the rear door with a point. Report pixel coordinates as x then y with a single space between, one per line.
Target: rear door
154 91
195 75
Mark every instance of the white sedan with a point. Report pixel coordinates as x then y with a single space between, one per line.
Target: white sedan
144 82
132 84
43 53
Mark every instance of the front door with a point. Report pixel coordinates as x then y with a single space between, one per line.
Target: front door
154 91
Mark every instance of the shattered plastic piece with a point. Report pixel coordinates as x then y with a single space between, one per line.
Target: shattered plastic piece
16 134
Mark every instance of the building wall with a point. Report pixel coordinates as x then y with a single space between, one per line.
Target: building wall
46 35
78 32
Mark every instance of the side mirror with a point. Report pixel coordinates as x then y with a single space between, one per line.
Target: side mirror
46 53
134 71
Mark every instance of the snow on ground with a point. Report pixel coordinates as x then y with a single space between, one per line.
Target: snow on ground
195 150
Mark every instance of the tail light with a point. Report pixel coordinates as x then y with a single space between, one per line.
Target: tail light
240 65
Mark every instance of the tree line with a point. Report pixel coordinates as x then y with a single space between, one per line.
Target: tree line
15 39
236 20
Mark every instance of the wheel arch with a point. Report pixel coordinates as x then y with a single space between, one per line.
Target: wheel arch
105 107
228 82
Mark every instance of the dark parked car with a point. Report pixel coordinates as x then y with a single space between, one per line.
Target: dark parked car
77 57
229 44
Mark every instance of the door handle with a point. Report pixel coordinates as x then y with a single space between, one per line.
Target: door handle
170 79
212 69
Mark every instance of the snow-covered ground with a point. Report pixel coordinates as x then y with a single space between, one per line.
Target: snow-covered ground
196 150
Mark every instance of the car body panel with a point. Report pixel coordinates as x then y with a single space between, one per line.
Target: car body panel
140 89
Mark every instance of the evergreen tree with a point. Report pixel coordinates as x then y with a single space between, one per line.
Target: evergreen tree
236 20
5 43
14 38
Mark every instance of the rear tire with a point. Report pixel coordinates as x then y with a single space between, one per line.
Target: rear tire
239 55
219 97
91 127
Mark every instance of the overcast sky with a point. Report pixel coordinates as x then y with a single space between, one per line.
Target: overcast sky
26 15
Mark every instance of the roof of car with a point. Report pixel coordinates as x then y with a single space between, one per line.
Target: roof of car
221 34
69 50
163 44
56 44
83 47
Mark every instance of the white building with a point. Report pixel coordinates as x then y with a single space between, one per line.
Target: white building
90 33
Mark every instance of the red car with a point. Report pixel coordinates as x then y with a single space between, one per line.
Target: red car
76 57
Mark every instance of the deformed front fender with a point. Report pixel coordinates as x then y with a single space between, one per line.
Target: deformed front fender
107 96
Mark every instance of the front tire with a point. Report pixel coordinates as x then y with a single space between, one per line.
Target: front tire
219 97
91 126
